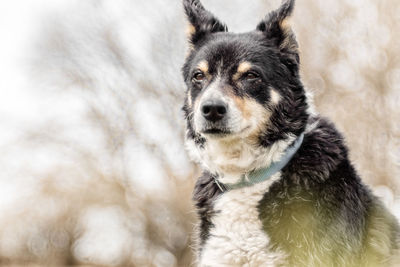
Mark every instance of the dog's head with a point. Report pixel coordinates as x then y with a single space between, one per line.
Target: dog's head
242 85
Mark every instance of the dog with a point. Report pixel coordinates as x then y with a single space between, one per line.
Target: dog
278 188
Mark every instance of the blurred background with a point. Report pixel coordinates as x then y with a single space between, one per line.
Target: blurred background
93 169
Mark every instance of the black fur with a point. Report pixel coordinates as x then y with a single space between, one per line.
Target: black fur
283 38
202 20
321 190
319 209
205 193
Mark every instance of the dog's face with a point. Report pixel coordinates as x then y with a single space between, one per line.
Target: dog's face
229 92
242 85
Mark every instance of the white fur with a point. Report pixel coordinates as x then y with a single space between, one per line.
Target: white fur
237 238
275 96
193 150
231 158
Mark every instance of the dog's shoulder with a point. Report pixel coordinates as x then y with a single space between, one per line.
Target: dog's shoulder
321 209
381 236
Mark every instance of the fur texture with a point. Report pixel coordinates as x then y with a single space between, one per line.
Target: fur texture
316 211
92 97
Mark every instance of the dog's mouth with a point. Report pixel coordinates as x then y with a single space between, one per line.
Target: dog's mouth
217 132
223 132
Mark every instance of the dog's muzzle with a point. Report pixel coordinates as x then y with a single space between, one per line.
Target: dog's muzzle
213 117
214 110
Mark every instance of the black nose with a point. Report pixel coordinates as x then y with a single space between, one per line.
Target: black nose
213 110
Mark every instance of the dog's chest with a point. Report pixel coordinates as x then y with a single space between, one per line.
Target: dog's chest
236 237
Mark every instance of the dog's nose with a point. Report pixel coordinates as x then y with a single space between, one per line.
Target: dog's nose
214 110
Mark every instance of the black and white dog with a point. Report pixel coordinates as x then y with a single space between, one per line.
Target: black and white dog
278 188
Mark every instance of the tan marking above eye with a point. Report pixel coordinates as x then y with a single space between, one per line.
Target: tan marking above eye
203 66
243 67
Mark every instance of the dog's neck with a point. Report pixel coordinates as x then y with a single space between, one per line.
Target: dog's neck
231 159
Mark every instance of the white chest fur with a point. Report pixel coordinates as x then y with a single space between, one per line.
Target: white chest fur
237 238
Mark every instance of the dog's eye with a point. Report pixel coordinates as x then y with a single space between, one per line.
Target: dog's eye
198 76
251 76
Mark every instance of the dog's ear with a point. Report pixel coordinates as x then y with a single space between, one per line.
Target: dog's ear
201 21
276 28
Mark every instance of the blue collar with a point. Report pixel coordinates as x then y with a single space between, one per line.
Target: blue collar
261 175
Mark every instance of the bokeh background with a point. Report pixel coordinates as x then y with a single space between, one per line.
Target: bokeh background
93 169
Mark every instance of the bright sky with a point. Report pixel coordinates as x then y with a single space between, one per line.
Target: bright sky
19 21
